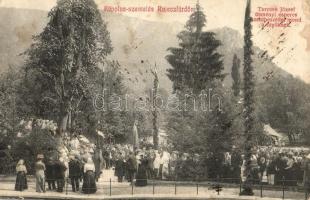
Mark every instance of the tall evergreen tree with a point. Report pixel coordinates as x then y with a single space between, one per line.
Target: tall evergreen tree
196 66
195 63
154 109
235 74
65 54
249 106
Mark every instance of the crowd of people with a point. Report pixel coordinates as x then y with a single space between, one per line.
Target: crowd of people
76 160
269 165
53 172
276 166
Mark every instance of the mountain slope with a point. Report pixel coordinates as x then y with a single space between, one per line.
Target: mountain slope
138 45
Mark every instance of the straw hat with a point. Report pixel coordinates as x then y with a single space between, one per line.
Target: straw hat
40 156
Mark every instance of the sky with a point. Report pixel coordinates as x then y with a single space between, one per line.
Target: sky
291 53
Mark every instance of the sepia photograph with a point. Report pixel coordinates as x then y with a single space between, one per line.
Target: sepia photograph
155 99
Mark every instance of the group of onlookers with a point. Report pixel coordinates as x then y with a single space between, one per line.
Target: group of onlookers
140 165
268 166
276 166
53 172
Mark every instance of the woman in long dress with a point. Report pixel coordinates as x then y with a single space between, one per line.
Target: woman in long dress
141 177
40 174
89 180
21 179
119 168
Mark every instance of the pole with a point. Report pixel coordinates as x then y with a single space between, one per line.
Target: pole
153 187
197 188
175 187
66 179
110 187
240 184
283 187
261 189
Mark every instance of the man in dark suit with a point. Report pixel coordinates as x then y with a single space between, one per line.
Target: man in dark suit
131 166
236 163
75 172
60 169
50 174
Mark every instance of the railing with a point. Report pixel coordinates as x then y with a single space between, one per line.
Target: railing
201 187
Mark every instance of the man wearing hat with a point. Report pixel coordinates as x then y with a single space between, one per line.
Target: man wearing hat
131 166
60 169
50 173
307 174
40 176
75 172
236 163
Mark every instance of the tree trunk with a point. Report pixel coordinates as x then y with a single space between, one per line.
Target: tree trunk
62 124
63 118
69 123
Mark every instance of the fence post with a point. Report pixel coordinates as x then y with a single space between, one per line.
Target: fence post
66 182
240 187
153 186
282 187
175 187
110 187
261 189
218 184
197 187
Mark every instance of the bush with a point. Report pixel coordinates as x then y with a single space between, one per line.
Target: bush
39 141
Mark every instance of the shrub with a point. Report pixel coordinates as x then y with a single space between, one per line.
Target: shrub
39 141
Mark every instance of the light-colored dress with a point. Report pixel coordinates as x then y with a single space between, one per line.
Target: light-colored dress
40 176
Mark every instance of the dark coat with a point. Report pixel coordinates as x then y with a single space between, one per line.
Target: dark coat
119 168
89 183
75 169
307 174
236 160
141 177
60 169
50 170
131 163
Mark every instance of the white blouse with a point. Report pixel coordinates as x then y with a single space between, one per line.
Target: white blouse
89 167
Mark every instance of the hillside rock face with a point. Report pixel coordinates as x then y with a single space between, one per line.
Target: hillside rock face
138 45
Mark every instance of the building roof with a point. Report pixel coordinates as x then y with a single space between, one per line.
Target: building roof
268 130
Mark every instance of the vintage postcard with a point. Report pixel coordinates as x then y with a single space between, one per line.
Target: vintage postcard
154 99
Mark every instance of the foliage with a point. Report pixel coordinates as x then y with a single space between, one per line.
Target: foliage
110 117
115 120
285 106
154 110
195 63
197 127
39 141
249 103
204 129
9 98
235 74
63 56
248 72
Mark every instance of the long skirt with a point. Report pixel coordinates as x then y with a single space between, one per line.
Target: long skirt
40 181
271 179
89 183
141 177
21 181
